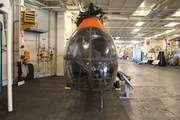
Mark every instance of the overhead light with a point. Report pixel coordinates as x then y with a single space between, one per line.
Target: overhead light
134 42
176 35
135 30
171 24
158 35
129 46
176 14
117 38
139 23
148 38
31 0
117 41
168 31
142 4
139 35
141 12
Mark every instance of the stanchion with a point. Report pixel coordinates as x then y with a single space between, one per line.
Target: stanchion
102 100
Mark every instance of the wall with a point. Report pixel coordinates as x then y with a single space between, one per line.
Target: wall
65 27
61 28
61 42
55 39
37 42
6 6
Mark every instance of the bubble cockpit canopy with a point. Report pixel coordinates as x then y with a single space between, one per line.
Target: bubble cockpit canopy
90 57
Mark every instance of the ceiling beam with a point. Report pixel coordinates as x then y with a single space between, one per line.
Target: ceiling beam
132 8
126 39
125 17
93 1
52 7
123 41
36 2
169 15
78 5
155 7
159 28
62 3
110 2
51 0
124 4
136 8
166 7
124 29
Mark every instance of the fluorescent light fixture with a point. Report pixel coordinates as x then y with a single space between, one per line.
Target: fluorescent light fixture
176 14
135 30
158 35
117 41
117 38
134 42
148 38
139 23
141 12
129 46
142 4
176 35
168 31
139 35
171 24
123 41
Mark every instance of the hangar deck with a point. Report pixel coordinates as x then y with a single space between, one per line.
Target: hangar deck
156 97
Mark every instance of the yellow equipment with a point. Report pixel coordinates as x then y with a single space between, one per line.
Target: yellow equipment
27 54
28 19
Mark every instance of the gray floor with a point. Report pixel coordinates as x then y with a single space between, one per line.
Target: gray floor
156 97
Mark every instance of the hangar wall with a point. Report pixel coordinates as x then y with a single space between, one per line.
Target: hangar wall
37 42
53 41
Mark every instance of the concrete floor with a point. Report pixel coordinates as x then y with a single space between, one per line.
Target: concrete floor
156 97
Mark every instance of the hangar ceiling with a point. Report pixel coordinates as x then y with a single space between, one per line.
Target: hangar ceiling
129 20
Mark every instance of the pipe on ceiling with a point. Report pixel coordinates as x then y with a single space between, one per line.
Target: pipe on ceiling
37 2
159 4
153 10
52 7
62 3
78 5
